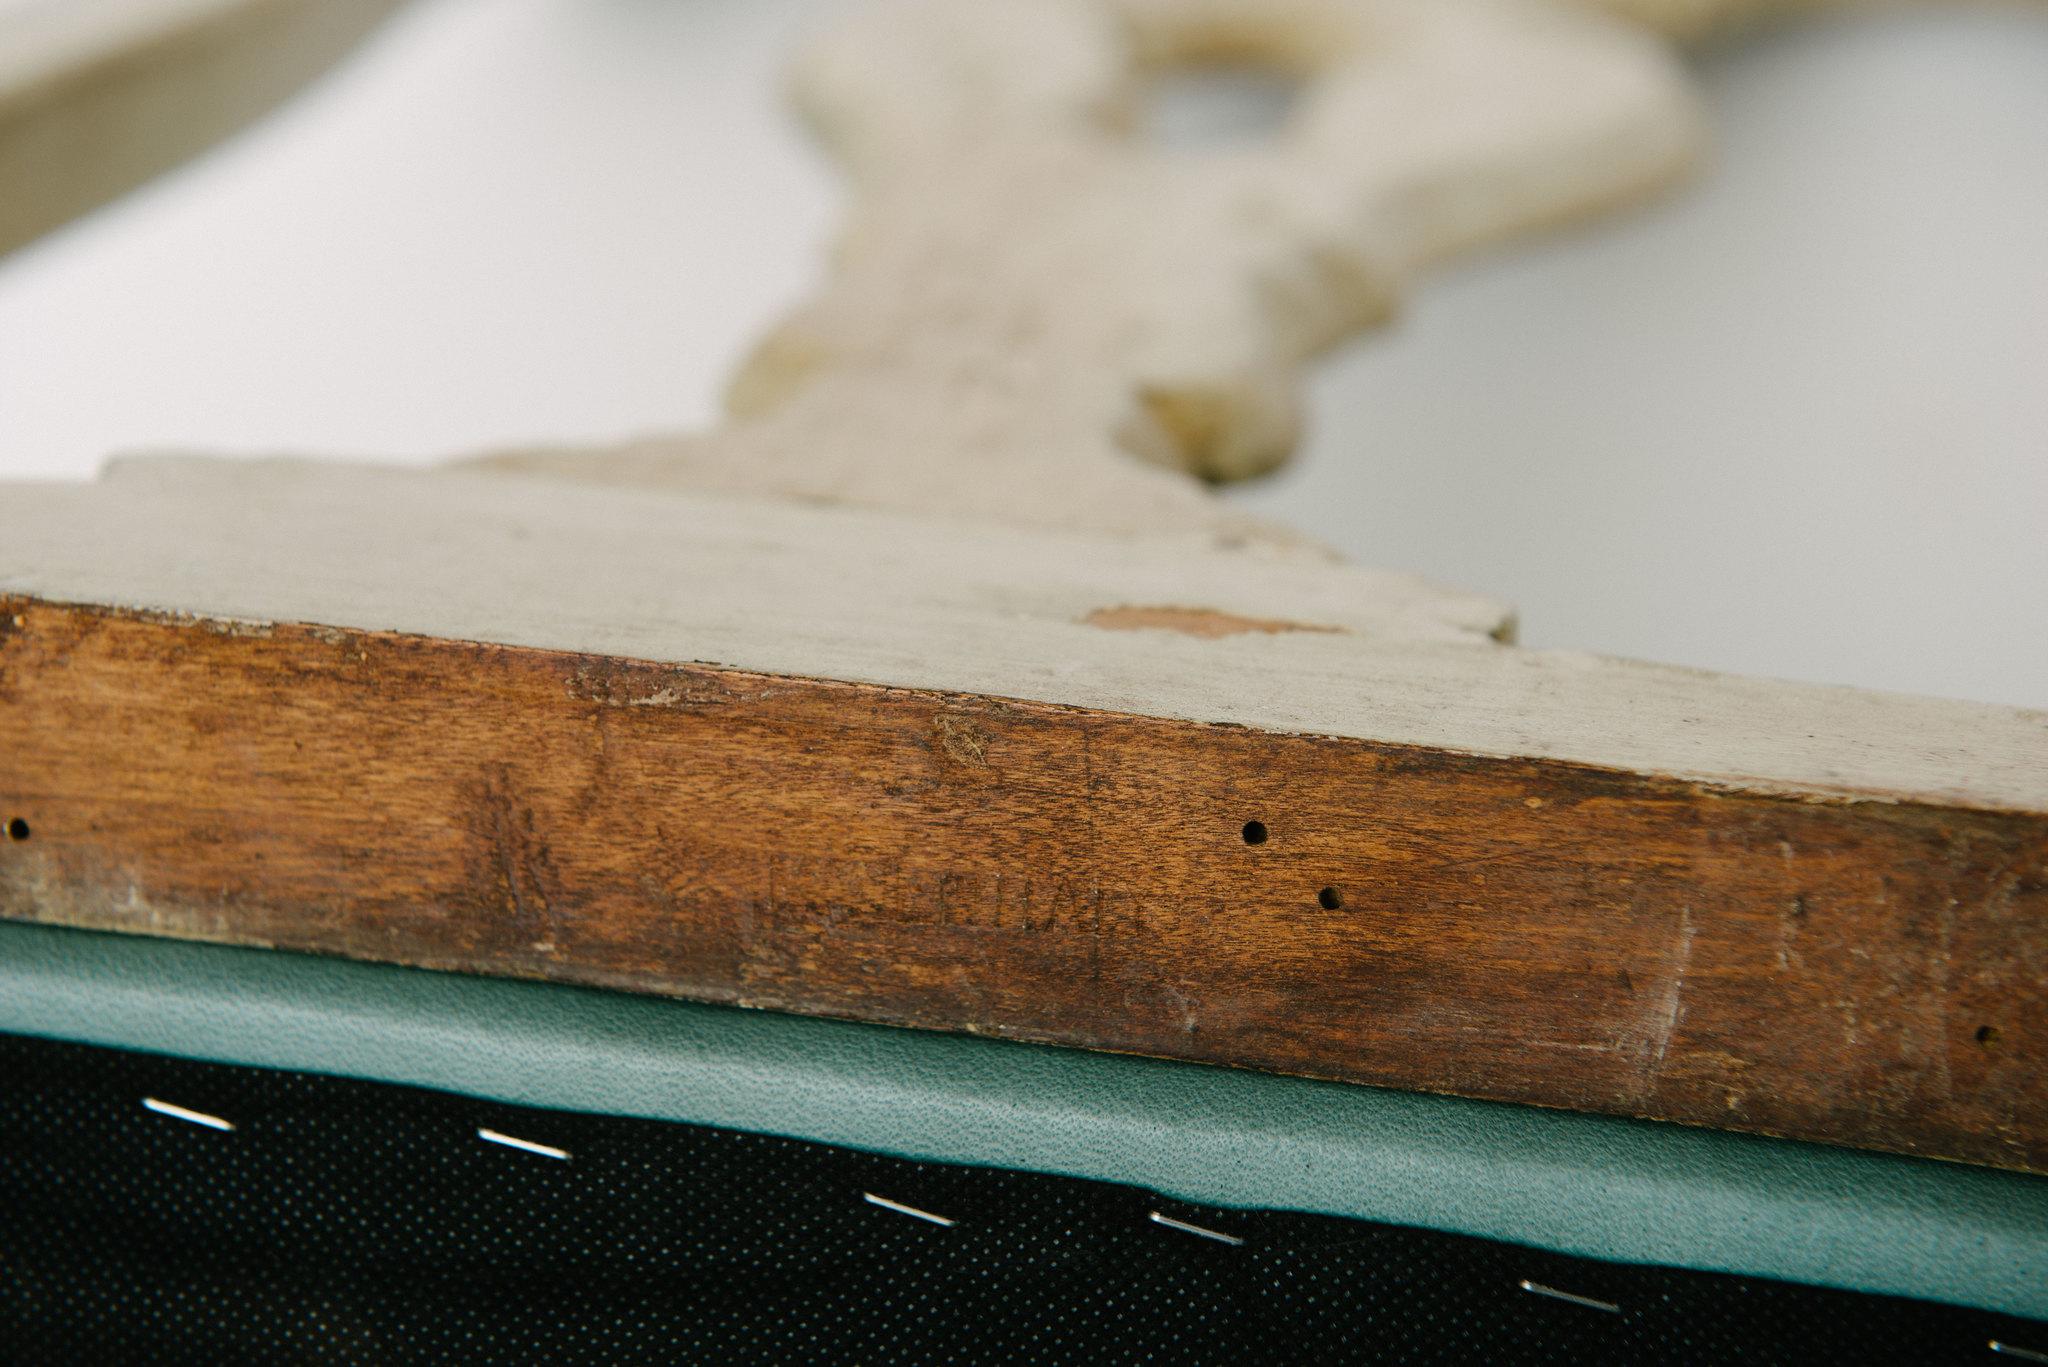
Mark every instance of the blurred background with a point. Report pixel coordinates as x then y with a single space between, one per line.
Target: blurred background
1791 420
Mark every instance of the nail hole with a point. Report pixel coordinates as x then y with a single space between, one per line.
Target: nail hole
1254 832
1987 1035
17 829
1330 898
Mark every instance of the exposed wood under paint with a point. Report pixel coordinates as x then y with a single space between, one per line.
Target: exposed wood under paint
639 785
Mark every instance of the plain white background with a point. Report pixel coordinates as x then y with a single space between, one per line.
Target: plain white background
1791 420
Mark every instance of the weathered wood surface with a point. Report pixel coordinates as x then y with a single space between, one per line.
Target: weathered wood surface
1868 974
872 597
1857 961
1191 789
1035 314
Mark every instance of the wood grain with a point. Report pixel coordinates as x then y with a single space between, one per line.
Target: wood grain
1862 973
954 606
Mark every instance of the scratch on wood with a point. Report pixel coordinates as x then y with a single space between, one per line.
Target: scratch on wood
1183 1006
627 687
793 847
520 858
1791 919
964 740
1670 1007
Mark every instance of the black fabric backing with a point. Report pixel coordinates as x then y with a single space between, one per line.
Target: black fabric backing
364 1222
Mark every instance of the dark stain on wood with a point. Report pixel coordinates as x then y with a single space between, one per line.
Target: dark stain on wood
1862 973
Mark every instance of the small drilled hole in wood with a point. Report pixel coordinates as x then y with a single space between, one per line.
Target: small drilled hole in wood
1254 832
17 829
1987 1035
1330 899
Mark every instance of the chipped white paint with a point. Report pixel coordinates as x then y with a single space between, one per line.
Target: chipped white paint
1030 301
893 599
1030 304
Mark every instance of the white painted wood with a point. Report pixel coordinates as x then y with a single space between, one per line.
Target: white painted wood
1028 295
1026 300
896 599
97 96
1696 19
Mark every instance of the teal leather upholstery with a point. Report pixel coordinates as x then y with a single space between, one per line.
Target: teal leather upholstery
1581 1184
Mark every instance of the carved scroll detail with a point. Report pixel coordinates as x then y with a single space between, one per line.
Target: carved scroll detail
1028 293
